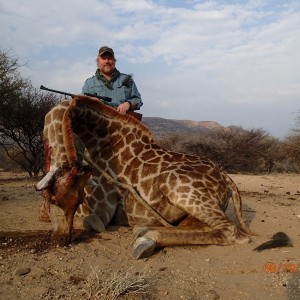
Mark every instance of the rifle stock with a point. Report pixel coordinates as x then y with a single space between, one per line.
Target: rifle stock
136 115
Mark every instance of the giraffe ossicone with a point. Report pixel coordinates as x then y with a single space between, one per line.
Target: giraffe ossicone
189 192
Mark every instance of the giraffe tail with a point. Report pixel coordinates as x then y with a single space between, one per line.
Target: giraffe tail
237 204
279 239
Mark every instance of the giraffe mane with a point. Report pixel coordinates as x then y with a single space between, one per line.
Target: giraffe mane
68 136
109 112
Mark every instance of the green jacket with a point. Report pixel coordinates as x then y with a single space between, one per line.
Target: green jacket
120 88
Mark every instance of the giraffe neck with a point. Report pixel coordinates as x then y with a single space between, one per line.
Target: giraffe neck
113 140
55 150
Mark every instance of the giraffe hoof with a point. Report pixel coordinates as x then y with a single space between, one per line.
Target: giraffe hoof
93 223
143 247
139 231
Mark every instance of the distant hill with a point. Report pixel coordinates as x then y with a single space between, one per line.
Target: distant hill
161 127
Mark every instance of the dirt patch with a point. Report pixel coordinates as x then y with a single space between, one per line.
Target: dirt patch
101 266
33 242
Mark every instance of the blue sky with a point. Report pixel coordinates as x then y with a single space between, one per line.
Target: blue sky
233 62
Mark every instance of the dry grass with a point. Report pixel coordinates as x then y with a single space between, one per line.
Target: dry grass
119 283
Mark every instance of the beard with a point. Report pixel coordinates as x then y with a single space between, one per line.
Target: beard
107 69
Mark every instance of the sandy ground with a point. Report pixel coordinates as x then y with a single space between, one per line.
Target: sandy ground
101 267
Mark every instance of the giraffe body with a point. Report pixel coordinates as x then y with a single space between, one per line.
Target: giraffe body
190 192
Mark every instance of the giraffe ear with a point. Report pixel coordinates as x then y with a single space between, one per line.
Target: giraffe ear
45 181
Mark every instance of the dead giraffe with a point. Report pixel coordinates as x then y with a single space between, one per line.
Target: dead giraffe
190 192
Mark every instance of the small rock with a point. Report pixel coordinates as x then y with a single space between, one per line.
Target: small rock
22 271
214 295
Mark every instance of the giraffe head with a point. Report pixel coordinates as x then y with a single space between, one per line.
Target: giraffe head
63 190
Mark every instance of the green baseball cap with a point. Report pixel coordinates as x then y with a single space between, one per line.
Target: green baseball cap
106 49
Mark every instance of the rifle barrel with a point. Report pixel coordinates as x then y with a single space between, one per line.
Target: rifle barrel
56 91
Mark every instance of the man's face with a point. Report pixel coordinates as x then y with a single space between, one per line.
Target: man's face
106 63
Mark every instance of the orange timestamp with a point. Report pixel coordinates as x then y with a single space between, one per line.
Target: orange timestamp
282 267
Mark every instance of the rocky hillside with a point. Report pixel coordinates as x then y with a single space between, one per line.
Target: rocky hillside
162 127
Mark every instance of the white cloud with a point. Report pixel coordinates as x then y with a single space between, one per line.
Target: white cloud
197 60
133 6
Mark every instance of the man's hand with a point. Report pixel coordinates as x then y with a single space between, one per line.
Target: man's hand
123 108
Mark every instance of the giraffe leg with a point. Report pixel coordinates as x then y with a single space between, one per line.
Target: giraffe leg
177 236
102 207
120 217
150 238
188 223
146 243
191 222
206 207
139 231
154 238
208 226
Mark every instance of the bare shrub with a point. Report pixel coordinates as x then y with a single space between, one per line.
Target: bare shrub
119 283
233 149
6 163
292 149
22 112
172 142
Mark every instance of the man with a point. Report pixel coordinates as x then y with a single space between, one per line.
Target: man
109 82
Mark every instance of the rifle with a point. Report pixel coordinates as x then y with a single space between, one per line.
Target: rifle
105 99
